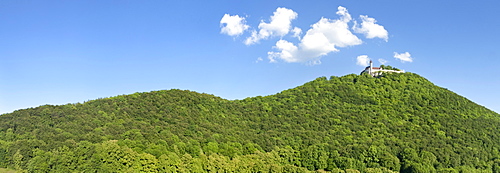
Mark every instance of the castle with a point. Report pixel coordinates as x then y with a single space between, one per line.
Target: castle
375 71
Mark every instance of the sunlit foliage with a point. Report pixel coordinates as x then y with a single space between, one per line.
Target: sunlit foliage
392 123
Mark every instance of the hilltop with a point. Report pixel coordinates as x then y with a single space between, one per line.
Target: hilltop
397 122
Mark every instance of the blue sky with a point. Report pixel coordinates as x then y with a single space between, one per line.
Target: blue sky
59 52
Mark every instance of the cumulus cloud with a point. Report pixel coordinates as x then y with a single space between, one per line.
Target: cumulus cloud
323 37
296 32
370 29
233 25
382 61
363 60
280 25
403 57
288 52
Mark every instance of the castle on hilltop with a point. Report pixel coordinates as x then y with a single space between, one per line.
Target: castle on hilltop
375 71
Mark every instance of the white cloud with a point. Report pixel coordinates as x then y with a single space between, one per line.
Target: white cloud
233 25
288 52
336 31
280 25
323 37
403 57
344 15
363 60
370 29
259 59
382 61
296 32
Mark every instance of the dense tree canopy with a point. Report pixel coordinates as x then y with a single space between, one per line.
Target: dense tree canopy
392 123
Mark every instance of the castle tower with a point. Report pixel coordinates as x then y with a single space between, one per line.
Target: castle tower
371 67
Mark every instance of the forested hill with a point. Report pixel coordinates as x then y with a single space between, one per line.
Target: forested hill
393 123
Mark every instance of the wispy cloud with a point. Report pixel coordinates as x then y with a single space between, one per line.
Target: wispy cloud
403 57
382 61
233 25
259 59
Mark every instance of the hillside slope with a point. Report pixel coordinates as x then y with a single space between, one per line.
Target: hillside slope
398 122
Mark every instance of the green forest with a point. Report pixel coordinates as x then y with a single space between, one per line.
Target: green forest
398 122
